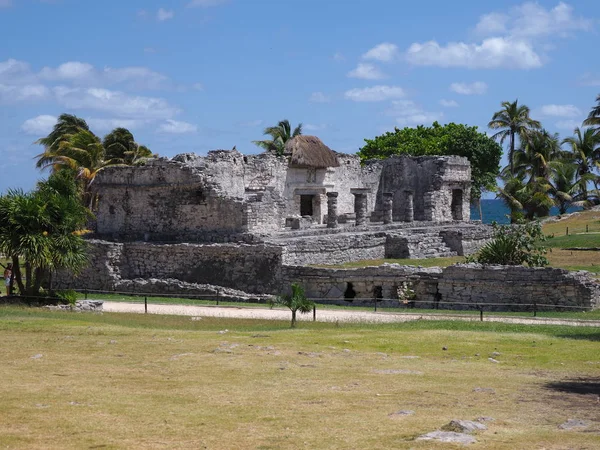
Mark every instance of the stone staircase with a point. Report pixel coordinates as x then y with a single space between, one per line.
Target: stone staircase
417 246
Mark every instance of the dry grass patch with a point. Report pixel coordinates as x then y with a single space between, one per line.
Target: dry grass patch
130 381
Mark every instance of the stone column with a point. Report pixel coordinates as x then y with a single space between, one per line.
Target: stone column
388 201
360 208
409 213
332 215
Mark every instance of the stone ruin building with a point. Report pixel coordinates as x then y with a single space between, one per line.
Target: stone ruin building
248 225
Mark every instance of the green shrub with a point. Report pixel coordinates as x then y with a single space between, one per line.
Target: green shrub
514 245
67 296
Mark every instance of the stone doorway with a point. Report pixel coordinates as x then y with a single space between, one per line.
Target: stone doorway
306 205
457 204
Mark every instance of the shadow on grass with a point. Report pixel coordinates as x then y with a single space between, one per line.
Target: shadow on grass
593 336
582 386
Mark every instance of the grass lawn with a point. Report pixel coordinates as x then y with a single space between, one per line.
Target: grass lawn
133 381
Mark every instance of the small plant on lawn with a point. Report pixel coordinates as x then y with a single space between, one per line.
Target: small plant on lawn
514 245
296 301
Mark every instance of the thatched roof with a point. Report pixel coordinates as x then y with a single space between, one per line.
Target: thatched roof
310 152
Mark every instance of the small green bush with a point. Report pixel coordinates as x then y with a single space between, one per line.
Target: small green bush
67 296
514 245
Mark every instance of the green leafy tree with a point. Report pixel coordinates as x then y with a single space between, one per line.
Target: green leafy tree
280 134
452 139
296 301
40 231
513 121
514 245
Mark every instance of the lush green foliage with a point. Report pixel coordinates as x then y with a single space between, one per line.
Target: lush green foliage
71 145
451 139
296 301
280 134
40 231
514 245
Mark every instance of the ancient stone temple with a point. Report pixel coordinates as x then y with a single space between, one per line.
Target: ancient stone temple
244 221
194 198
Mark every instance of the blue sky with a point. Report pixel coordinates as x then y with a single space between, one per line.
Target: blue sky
197 75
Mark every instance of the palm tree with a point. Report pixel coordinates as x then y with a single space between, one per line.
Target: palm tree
537 156
564 186
280 134
71 145
593 118
120 147
512 120
67 124
81 152
584 149
39 229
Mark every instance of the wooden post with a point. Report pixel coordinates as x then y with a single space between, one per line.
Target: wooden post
314 313
145 304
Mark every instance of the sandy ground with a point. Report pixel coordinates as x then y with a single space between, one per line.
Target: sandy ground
324 315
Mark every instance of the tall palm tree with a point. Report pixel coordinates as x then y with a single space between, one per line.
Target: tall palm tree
593 118
564 186
67 124
584 151
537 156
120 147
512 120
81 152
280 134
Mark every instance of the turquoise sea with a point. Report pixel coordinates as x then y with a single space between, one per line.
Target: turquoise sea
495 210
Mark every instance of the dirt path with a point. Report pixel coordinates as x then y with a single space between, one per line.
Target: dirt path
325 315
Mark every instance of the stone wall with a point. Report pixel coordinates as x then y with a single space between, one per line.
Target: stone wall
466 286
476 284
249 268
334 249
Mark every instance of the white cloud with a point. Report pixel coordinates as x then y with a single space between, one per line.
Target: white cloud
384 52
560 111
176 127
366 72
568 124
72 70
319 97
531 20
84 74
22 93
408 113
374 94
513 39
492 24
475 88
205 3
493 53
198 86
111 124
13 71
337 56
164 14
448 103
114 102
39 126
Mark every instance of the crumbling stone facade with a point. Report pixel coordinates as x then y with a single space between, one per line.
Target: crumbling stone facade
212 198
245 226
